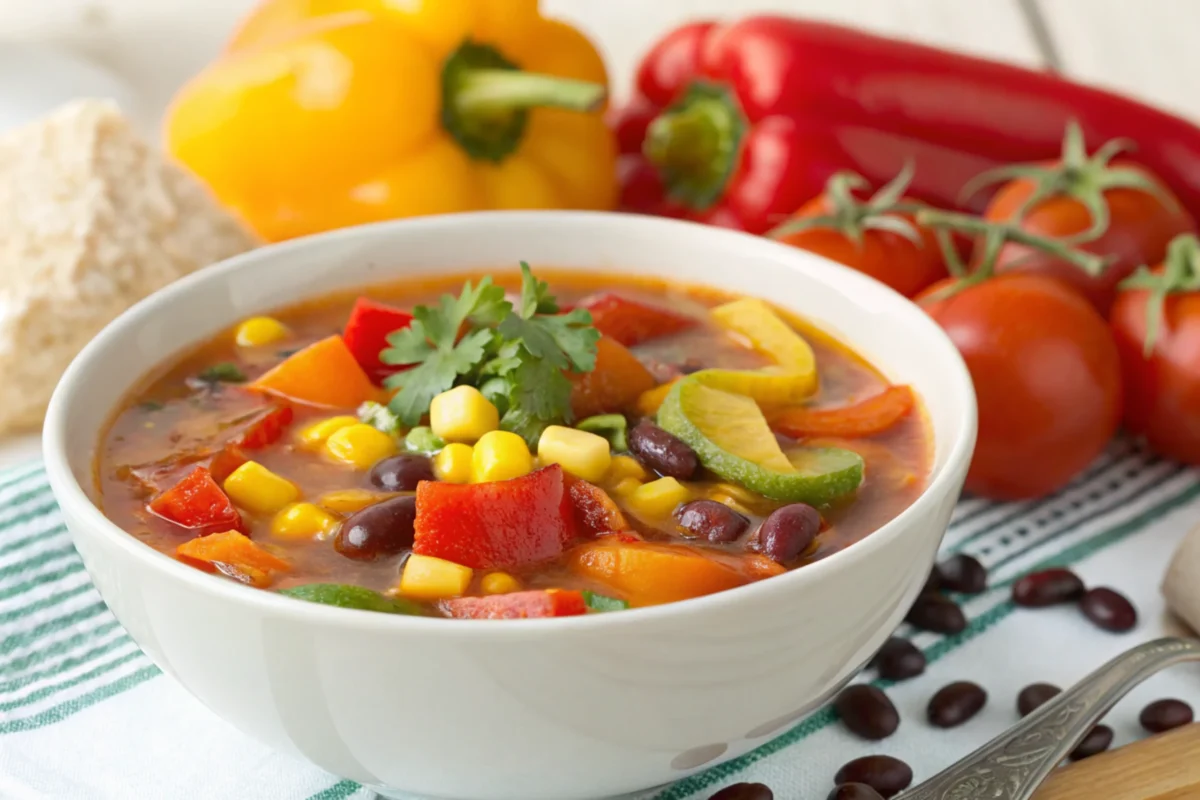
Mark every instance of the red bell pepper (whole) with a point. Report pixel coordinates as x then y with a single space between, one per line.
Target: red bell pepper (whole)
518 605
366 334
499 524
631 322
198 504
738 124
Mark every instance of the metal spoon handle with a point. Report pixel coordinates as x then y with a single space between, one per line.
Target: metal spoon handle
1013 765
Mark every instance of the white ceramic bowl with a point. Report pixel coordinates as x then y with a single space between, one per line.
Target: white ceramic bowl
580 707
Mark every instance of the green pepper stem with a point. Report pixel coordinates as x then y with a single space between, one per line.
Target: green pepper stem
687 140
495 92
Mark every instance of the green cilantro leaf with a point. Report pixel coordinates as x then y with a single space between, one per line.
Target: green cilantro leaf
225 372
602 602
437 373
539 395
535 295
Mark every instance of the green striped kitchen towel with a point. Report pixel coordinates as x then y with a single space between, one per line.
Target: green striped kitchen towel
85 714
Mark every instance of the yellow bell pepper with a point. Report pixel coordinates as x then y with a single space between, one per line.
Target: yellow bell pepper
327 113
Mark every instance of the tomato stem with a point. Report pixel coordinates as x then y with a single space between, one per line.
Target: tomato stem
1180 273
1006 232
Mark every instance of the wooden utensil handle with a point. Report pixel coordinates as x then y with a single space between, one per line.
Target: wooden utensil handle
1163 767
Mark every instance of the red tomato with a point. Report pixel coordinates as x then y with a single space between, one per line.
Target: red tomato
885 255
1162 389
1047 377
1140 226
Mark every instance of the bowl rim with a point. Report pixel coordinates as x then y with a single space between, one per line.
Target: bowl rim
78 505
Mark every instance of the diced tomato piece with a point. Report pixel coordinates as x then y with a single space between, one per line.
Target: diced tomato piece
323 374
518 605
616 383
595 511
631 322
233 554
227 459
867 417
267 429
197 503
367 331
500 524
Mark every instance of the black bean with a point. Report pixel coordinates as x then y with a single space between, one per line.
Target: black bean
934 582
937 613
379 530
955 703
899 659
854 791
1034 695
402 473
711 520
1097 741
1109 609
867 711
1049 587
662 452
745 791
963 573
1163 715
787 532
886 775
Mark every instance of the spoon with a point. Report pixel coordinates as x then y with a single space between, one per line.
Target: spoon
1013 765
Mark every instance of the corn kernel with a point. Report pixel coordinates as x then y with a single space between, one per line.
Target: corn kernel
499 583
583 454
315 435
255 488
453 463
260 331
500 456
347 501
361 446
625 467
462 414
657 499
429 578
626 487
302 521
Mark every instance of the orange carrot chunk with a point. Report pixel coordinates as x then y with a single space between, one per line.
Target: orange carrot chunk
647 574
323 374
614 385
866 418
233 554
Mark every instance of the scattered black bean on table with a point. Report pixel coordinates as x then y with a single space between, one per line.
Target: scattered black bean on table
379 530
886 775
867 712
745 791
1035 695
934 582
402 473
898 660
708 519
937 613
854 791
662 452
1109 609
1165 715
1047 588
787 532
963 573
1096 741
955 703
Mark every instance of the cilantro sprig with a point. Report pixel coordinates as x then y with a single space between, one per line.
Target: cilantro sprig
518 356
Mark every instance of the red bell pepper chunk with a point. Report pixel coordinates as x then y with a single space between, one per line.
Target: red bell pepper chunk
267 429
500 524
631 322
197 503
518 605
367 331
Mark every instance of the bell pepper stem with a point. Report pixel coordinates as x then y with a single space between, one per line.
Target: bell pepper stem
494 92
685 140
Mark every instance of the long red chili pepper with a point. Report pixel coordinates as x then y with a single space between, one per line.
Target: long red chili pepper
738 124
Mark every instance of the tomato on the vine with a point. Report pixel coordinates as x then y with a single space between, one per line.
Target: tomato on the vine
878 236
1116 209
1156 323
1045 368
